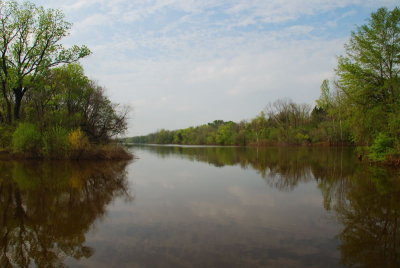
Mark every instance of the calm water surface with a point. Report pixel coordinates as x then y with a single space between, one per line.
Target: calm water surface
202 207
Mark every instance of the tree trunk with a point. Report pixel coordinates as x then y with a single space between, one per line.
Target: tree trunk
8 116
18 94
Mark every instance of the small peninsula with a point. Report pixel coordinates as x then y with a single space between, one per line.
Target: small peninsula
49 108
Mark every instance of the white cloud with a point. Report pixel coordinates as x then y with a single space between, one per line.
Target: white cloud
92 21
79 4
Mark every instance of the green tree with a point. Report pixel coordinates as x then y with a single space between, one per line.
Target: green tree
329 105
226 134
29 46
368 75
258 126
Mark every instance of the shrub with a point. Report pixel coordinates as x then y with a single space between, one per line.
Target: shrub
107 152
381 147
6 133
26 138
301 138
55 142
78 140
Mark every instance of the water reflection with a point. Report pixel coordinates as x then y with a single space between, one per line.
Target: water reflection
281 167
284 207
370 214
364 199
47 209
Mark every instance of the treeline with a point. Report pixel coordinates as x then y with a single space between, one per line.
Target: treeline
48 106
283 122
361 106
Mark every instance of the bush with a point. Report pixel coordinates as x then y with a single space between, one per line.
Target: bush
26 139
55 142
107 152
381 147
6 133
78 140
79 144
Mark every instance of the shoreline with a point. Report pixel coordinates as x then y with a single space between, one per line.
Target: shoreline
392 162
117 153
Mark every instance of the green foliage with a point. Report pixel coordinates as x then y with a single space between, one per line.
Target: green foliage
30 41
225 134
381 147
26 138
55 142
368 75
325 100
6 133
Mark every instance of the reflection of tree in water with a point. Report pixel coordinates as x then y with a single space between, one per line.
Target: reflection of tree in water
47 208
281 167
365 199
370 214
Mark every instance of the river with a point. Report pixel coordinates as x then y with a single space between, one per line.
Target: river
202 207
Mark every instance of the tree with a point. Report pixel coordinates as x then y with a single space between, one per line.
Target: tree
259 125
29 46
330 104
325 101
66 96
289 119
368 75
225 134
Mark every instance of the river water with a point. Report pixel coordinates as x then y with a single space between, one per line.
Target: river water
202 207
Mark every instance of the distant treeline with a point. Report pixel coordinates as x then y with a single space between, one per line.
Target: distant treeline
283 122
361 106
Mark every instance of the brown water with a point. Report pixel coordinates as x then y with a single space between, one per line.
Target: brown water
202 207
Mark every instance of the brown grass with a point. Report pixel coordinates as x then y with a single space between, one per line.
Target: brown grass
103 152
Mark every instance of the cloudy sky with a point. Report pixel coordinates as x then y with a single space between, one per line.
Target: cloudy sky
181 63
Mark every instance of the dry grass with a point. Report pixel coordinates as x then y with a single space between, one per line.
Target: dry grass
102 152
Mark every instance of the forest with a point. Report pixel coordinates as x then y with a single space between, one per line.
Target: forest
49 108
359 107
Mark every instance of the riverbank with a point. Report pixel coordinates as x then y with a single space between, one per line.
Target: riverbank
391 162
94 152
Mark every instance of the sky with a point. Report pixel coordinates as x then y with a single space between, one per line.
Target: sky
182 63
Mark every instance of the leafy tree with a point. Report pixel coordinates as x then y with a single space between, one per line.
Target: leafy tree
325 101
258 125
225 134
102 119
29 46
66 96
329 109
368 75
